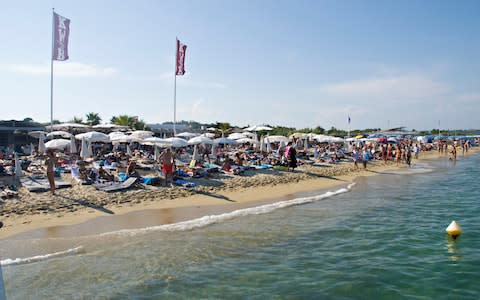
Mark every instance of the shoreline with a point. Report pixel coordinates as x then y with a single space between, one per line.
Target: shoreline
151 212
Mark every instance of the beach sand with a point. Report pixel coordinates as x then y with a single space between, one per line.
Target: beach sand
91 211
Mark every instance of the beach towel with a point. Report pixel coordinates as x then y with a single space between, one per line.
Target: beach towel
184 183
263 167
115 186
40 184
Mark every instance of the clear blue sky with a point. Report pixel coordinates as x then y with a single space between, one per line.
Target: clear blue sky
294 63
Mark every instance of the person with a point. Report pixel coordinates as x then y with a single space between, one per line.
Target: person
365 157
104 174
291 157
50 162
131 172
454 152
167 159
355 156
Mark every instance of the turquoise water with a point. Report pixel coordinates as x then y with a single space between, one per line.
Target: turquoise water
383 239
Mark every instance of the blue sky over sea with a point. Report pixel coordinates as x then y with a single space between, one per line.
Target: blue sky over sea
294 63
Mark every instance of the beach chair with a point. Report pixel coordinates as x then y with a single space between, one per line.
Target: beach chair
116 186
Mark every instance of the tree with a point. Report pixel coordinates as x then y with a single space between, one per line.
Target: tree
93 118
28 119
131 121
77 120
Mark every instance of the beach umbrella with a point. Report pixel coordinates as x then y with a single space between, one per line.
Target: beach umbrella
93 136
60 133
141 134
73 145
269 149
41 144
298 135
58 144
200 140
18 166
209 135
37 133
84 153
214 151
129 151
249 134
187 135
305 144
110 126
224 140
262 145
176 142
195 155
237 136
212 129
155 140
276 139
115 133
156 153
258 128
67 126
247 140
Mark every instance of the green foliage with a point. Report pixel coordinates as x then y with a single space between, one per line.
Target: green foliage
131 121
93 118
281 130
28 119
77 120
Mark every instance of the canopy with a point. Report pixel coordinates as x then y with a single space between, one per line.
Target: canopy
61 133
176 142
187 134
67 126
276 139
141 134
236 136
247 140
224 140
37 134
93 136
200 140
58 144
258 128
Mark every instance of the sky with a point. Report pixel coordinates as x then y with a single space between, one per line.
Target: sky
292 63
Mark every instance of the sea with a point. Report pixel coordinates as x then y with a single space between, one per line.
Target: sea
382 237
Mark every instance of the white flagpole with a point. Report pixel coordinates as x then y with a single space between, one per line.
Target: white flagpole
51 68
175 90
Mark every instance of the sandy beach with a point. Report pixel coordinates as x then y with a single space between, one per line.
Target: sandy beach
81 204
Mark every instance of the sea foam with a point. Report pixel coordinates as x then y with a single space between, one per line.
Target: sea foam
37 258
212 219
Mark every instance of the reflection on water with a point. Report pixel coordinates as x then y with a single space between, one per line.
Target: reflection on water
453 249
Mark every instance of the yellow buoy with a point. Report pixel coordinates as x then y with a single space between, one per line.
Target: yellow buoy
454 230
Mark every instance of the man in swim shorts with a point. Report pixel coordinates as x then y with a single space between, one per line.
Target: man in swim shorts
167 160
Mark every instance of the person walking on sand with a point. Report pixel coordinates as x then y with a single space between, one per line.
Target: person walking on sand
167 159
50 163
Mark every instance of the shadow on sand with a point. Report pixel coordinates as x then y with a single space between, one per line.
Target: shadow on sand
215 196
88 204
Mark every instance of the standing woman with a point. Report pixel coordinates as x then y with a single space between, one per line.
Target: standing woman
50 162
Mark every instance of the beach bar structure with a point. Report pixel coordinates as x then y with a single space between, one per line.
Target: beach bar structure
14 134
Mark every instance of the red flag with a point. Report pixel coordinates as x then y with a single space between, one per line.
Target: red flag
181 49
61 31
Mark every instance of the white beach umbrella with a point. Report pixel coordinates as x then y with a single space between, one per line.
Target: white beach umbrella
336 139
237 136
305 144
110 126
73 145
352 139
249 134
18 166
59 144
263 147
93 136
187 134
115 133
32 148
276 139
212 129
195 155
129 151
282 145
67 126
209 135
154 140
224 140
84 153
269 149
214 151
246 141
41 144
156 152
37 133
177 142
200 140
123 139
60 133
141 134
258 128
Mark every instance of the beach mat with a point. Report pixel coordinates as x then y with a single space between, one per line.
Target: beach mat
115 186
33 184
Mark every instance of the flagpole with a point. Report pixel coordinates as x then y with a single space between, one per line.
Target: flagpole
175 89
51 68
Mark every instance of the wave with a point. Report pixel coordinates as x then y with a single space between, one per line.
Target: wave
212 219
27 260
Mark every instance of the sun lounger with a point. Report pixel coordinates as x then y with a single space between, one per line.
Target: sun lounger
115 186
40 184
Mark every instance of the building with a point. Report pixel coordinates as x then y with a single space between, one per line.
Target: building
14 134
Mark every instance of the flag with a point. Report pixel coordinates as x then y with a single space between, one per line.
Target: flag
61 31
181 49
348 119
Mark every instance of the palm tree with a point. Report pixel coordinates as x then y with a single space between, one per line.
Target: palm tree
93 118
77 120
126 120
